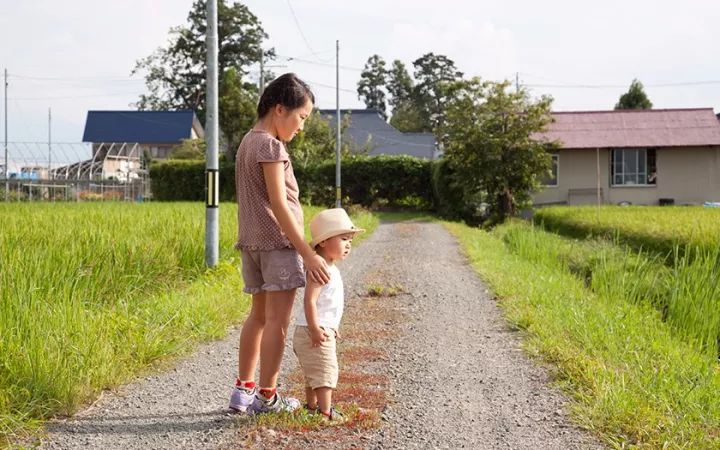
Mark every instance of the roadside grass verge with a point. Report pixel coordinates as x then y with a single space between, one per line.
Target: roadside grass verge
634 381
93 294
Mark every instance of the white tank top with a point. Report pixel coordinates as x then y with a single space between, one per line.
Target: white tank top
330 302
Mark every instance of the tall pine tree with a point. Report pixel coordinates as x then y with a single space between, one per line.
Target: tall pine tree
634 98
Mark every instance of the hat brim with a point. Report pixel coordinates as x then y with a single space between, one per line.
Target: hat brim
333 233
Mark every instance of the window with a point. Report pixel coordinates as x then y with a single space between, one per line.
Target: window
633 167
552 178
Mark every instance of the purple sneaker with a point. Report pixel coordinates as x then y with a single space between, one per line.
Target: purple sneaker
276 404
241 399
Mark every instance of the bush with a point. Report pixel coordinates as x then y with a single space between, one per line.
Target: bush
184 180
378 181
451 199
372 181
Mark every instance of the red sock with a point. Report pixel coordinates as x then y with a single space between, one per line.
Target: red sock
244 384
268 393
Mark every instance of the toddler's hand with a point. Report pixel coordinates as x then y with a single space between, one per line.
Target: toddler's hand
318 336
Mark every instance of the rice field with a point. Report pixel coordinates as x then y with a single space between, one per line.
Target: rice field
658 229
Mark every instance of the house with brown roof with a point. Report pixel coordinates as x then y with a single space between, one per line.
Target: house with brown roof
642 157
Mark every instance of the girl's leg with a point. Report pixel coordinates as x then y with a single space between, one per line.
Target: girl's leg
324 399
250 338
278 307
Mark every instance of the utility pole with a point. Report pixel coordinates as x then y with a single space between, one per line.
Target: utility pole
212 204
338 202
50 143
517 82
7 184
262 73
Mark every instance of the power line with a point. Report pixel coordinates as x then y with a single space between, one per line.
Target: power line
561 84
307 43
307 61
330 87
108 78
72 97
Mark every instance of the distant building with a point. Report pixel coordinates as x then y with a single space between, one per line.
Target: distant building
645 157
120 139
159 132
368 130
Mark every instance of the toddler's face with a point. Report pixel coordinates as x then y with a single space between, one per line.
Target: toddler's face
338 247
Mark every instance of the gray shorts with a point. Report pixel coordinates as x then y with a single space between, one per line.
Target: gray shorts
272 270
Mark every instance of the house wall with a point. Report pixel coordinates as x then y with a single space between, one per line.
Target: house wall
689 175
686 175
577 169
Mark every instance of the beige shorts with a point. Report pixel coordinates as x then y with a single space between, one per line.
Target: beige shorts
319 364
272 270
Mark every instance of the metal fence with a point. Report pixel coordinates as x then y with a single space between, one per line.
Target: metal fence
38 171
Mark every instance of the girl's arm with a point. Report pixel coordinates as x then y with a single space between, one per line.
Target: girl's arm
315 265
317 334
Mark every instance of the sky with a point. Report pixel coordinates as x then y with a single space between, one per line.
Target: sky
76 56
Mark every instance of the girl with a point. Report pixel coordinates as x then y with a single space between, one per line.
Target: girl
271 241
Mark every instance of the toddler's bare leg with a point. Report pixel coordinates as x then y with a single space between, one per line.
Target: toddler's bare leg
311 398
324 399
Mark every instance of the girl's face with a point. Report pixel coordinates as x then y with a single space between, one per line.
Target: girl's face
289 122
338 247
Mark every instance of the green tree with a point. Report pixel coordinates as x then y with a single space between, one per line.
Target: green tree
634 98
371 84
406 113
316 143
399 85
431 73
175 75
407 117
189 149
236 102
489 142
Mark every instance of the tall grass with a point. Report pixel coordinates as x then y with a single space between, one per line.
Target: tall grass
90 294
685 292
633 379
657 229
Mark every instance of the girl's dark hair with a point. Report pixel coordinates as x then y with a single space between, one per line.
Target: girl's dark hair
287 90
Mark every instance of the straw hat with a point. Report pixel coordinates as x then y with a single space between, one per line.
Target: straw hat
329 223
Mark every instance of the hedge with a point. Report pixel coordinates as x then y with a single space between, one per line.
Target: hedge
378 181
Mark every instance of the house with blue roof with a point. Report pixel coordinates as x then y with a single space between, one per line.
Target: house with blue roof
158 132
120 139
367 130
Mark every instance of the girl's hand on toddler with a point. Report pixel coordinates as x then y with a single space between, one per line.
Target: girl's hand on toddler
316 268
318 336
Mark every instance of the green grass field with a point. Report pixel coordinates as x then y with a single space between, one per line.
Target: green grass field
657 229
92 294
633 335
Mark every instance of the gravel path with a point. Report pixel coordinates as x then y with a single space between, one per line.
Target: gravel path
457 375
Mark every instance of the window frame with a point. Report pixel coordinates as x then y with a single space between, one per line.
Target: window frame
554 165
648 162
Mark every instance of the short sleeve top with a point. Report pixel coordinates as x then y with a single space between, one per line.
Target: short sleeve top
258 229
